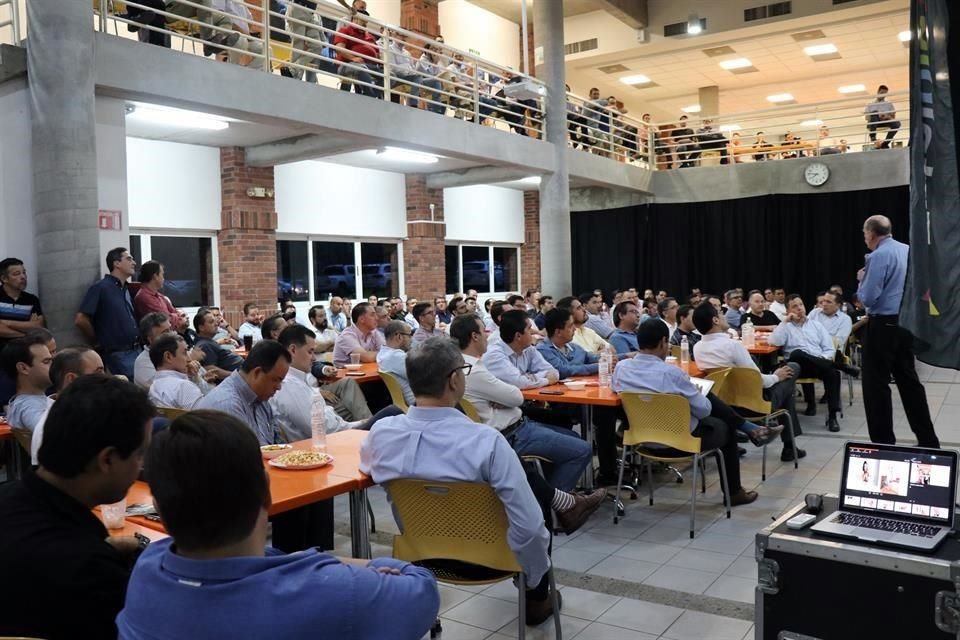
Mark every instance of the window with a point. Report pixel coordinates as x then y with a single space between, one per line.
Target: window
187 265
334 272
378 269
505 261
452 262
472 263
476 268
292 271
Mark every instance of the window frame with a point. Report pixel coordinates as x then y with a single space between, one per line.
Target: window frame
491 271
146 253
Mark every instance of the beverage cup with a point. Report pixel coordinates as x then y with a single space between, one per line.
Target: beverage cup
354 358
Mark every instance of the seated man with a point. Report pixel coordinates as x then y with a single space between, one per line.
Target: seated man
425 315
408 317
392 358
152 326
808 344
444 315
27 360
837 323
498 405
593 305
685 328
252 319
514 359
881 114
361 337
733 299
710 419
70 573
68 365
758 314
583 335
218 362
326 336
717 351
626 319
271 327
293 403
435 441
667 309
175 384
544 304
217 562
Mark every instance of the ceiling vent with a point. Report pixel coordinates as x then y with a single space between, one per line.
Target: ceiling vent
805 36
680 28
718 51
767 11
613 68
843 1
579 47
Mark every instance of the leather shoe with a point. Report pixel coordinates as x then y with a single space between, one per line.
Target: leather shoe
762 435
742 497
741 451
787 454
583 506
850 370
539 611
832 424
811 410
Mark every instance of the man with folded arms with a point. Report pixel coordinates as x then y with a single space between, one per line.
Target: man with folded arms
717 351
361 337
66 576
150 300
217 361
216 572
425 316
27 360
175 384
435 441
710 420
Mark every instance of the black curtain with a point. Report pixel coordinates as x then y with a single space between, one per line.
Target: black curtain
803 243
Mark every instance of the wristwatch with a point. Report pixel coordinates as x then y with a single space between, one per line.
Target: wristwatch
142 541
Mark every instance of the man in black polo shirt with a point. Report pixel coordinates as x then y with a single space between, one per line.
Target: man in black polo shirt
20 313
106 315
64 575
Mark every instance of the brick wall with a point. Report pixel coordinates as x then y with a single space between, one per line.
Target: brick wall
530 251
421 16
423 251
247 241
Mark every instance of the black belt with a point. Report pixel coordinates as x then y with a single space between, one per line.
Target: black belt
510 431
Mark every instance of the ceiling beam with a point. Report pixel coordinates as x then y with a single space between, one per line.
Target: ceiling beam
632 13
308 147
476 175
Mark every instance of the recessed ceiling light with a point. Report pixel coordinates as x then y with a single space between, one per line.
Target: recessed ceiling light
780 97
904 36
727 128
736 63
820 49
157 114
852 88
405 155
693 108
811 123
635 79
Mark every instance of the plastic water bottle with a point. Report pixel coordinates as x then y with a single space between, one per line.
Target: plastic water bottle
318 429
684 352
605 367
747 334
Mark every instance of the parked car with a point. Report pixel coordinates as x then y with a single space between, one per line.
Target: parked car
336 279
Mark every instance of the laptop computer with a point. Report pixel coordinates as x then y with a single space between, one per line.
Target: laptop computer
893 495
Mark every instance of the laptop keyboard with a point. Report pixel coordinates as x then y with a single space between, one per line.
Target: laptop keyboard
885 524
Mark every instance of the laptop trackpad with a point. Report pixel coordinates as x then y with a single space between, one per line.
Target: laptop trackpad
874 534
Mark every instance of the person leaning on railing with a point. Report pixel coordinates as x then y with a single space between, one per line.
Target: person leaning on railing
359 55
430 69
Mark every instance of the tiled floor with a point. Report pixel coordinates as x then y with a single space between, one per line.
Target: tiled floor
651 547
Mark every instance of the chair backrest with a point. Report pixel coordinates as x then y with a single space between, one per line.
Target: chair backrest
396 391
470 410
462 521
170 413
719 379
663 418
24 437
743 388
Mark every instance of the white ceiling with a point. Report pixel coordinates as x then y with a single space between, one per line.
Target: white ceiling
870 54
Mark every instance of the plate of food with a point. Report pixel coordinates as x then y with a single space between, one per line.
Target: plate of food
271 451
301 460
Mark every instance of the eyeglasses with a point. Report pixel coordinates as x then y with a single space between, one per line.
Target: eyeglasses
467 368
406 334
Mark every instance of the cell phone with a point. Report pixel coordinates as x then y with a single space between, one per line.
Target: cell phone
551 393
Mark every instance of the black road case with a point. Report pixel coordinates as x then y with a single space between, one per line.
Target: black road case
811 587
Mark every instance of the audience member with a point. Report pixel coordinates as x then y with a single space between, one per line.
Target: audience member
837 323
246 392
252 323
626 319
360 338
359 56
514 359
593 305
20 311
338 317
226 335
583 335
408 316
758 314
271 327
152 326
492 322
733 299
686 328
71 574
777 306
383 318
326 337
444 316
425 315
217 361
430 69
392 357
307 40
150 300
667 309
26 360
449 446
544 304
217 561
827 145
175 384
106 315
881 114
717 351
559 350
710 419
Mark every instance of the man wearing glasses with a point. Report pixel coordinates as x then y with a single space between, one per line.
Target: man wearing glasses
392 358
733 314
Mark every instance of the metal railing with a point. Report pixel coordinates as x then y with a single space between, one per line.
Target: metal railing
326 46
11 27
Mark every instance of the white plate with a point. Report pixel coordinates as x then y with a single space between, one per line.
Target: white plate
302 467
575 384
353 367
273 453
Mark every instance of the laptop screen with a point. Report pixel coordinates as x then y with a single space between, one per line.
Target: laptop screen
907 482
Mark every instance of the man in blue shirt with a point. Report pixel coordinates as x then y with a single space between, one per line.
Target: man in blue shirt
888 347
392 357
106 316
216 576
734 300
710 419
626 319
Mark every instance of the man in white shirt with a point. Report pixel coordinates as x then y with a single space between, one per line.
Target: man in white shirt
808 344
292 404
716 351
152 326
392 357
251 323
667 307
777 307
173 385
326 336
881 114
408 317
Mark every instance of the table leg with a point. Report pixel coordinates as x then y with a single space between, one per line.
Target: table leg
359 526
586 429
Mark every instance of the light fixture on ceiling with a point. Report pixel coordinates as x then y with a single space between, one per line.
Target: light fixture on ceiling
820 50
636 79
852 88
694 27
816 122
535 180
736 63
728 128
693 108
396 154
780 98
904 36
168 116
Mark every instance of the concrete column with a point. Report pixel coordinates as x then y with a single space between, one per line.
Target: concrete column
64 158
709 101
555 257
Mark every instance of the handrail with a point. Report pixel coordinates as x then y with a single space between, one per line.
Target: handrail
13 22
